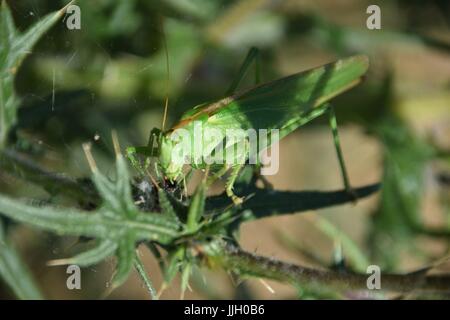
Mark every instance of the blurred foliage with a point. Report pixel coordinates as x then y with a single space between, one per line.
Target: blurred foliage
398 217
77 86
14 272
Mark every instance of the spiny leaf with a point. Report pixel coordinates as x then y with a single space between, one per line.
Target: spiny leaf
117 224
123 188
107 190
166 207
68 221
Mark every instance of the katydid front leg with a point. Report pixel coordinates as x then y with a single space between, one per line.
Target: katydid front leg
252 55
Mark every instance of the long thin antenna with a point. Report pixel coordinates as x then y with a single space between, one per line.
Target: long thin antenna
166 103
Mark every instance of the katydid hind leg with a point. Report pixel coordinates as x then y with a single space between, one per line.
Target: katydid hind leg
315 113
241 155
340 156
289 128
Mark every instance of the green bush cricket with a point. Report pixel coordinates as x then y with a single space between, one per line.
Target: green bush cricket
284 104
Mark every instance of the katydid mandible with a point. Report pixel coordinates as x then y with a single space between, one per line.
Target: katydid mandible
284 104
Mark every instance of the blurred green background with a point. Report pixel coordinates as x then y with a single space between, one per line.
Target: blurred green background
78 85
